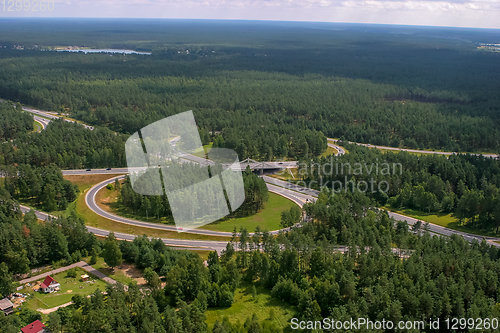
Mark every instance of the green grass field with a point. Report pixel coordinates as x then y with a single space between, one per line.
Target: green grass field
444 220
206 149
268 218
37 127
118 273
329 151
69 288
245 306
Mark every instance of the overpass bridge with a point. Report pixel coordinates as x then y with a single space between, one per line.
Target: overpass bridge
263 166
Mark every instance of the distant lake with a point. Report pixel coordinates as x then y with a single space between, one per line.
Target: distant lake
106 51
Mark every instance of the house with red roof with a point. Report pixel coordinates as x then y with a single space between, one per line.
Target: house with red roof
49 285
35 327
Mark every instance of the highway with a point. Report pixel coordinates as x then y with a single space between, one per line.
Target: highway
340 150
90 201
437 229
186 244
299 195
43 121
433 228
44 117
413 150
178 244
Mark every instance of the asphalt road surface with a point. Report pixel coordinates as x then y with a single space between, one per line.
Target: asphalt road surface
43 115
297 198
43 121
176 243
300 195
413 150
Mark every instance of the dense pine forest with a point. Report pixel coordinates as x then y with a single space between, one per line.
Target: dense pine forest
466 185
276 99
271 92
437 278
68 145
28 244
12 123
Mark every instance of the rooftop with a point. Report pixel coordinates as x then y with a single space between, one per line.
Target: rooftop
34 327
48 280
5 304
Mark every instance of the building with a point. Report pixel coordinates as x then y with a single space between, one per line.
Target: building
49 285
6 306
84 277
35 327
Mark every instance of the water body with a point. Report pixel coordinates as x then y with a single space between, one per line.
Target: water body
106 51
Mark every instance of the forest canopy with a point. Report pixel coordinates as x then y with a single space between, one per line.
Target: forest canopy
273 99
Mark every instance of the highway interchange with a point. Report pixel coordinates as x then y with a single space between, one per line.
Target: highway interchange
298 194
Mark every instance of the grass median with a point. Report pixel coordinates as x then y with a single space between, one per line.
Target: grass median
94 220
268 218
444 220
37 127
329 151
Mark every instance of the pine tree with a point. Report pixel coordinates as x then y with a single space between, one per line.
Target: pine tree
6 285
111 252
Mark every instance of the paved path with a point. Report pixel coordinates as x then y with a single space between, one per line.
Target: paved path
98 274
54 271
82 264
47 311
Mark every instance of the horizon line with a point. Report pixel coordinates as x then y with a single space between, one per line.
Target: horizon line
245 20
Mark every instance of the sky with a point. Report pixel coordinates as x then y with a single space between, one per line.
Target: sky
455 13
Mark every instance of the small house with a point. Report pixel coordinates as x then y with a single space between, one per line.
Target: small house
35 327
6 306
49 285
84 277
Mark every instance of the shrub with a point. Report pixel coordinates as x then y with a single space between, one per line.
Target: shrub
71 273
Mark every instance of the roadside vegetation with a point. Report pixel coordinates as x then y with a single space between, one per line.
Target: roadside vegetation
465 186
